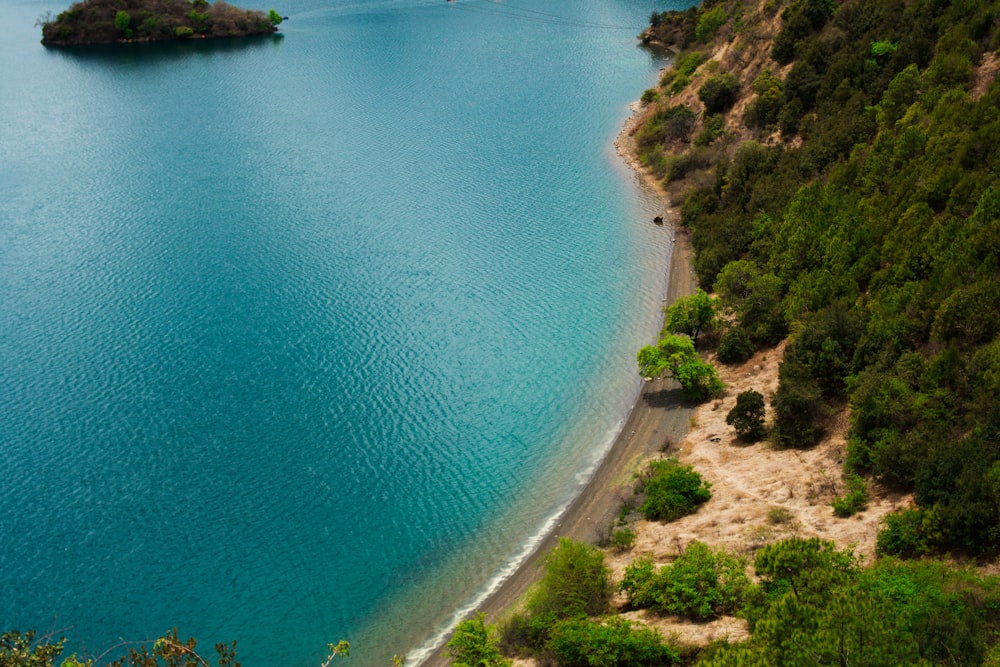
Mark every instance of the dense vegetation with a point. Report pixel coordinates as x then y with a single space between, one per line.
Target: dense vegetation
811 604
849 196
105 21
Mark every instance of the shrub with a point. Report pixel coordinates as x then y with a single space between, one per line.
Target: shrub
673 490
122 22
856 498
183 31
735 346
700 584
475 644
719 93
622 539
902 534
576 582
670 124
712 128
614 642
709 22
747 416
689 62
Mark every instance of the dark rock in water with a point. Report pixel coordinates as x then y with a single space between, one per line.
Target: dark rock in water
658 220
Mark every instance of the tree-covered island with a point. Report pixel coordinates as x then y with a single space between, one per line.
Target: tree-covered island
110 21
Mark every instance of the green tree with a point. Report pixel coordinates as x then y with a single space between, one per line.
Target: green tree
475 644
690 315
747 416
675 357
274 17
123 21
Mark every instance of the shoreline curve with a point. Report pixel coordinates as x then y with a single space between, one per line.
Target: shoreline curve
658 416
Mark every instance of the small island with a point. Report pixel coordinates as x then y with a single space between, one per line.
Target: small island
112 21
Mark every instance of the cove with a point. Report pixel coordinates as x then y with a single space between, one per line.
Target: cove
305 338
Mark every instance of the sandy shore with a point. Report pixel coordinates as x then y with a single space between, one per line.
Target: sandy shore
657 416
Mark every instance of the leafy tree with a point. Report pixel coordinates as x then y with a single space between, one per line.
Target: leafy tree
475 644
673 490
122 22
690 315
747 416
675 357
274 17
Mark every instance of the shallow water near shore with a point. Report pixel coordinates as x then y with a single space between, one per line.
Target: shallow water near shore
306 338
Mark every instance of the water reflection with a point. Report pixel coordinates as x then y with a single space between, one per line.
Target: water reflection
141 52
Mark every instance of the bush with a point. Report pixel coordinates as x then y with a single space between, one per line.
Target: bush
700 584
902 534
735 346
719 93
622 539
672 491
709 22
747 416
712 128
474 644
670 124
183 31
856 498
614 642
576 583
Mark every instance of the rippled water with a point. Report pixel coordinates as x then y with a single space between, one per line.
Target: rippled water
306 338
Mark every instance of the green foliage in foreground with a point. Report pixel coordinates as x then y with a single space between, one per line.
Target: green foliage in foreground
815 606
700 584
672 490
675 357
23 650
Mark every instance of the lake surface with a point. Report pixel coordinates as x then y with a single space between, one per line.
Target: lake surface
307 338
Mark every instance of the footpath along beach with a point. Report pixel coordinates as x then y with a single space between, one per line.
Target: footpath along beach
657 416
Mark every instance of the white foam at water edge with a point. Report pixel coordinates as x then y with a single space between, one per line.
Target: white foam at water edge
424 651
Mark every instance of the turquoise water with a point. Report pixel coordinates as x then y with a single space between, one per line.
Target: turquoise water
306 338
